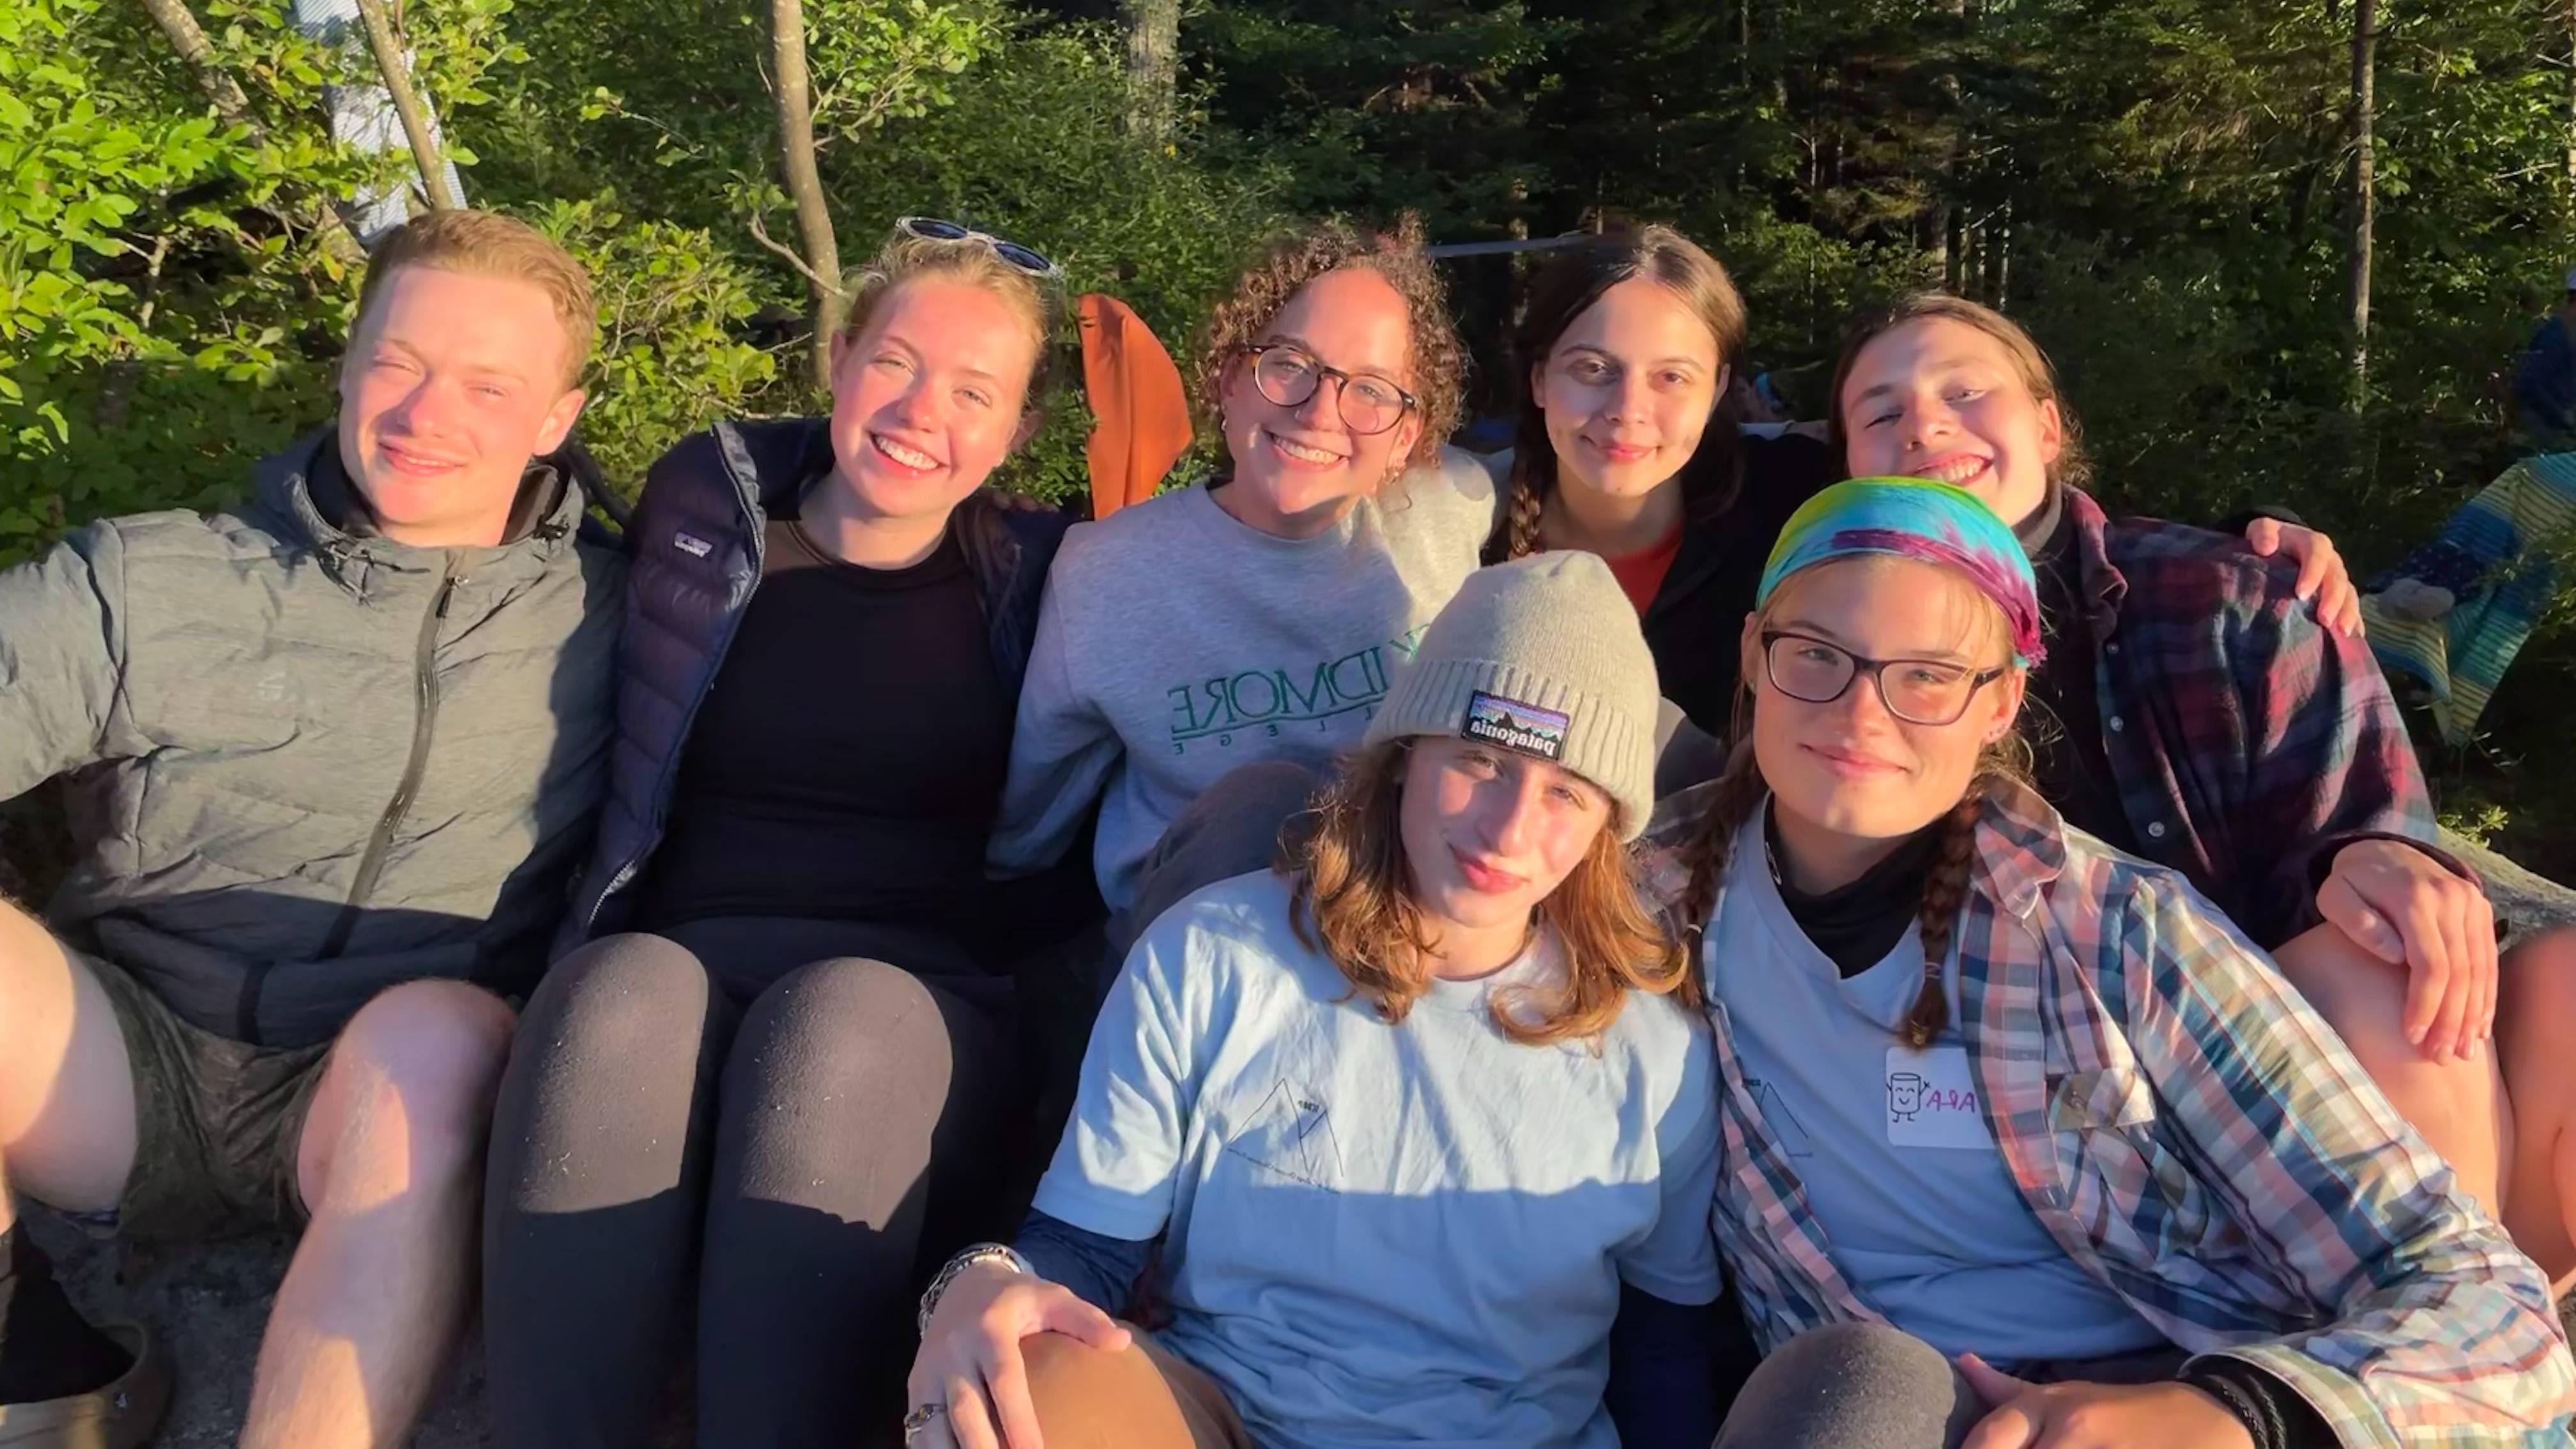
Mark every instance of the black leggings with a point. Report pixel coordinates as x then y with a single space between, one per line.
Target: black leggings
820 1136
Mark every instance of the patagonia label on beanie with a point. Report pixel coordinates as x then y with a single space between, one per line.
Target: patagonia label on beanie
1522 728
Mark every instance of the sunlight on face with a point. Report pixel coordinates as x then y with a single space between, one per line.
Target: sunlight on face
1489 833
451 384
1850 767
931 398
1937 398
1298 469
1628 389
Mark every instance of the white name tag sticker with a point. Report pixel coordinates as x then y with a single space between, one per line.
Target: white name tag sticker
1932 1100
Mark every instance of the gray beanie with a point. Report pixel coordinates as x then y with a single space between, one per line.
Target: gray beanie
1542 656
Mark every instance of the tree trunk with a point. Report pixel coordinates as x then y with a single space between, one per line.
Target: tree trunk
804 182
2365 38
1153 67
1948 186
179 23
2571 95
396 70
1997 258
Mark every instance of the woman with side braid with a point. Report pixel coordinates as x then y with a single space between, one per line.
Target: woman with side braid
2024 1143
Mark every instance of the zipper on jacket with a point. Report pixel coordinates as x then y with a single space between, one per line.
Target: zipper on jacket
424 719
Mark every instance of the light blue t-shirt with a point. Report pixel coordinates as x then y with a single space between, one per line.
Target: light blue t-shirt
1897 1156
1383 1235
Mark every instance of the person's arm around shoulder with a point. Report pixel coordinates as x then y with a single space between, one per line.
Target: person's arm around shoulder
62 660
2336 799
1063 746
2430 1318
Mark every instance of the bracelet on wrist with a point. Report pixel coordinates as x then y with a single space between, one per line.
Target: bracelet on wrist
2261 1425
1001 1253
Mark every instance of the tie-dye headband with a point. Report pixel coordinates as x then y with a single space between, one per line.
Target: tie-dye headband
1918 519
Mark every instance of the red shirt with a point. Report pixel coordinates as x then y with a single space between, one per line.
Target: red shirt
1641 574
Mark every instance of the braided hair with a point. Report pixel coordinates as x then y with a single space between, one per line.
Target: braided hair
2003 763
1565 289
1741 790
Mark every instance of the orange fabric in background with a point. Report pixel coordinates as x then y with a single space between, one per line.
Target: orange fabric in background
1141 413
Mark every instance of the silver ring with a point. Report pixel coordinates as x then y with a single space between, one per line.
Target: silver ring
921 1417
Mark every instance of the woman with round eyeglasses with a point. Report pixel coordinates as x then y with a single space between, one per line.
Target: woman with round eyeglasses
1212 649
782 1062
2026 1146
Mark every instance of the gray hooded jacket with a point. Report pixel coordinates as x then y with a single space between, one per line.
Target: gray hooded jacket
304 764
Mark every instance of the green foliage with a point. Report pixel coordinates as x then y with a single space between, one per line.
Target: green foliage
2159 188
166 314
966 111
668 360
152 274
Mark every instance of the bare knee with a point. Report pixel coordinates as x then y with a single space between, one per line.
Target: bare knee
2535 1021
411 1077
1074 1386
67 1127
2545 963
2364 999
38 1006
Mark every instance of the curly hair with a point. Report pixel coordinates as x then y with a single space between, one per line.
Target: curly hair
1565 289
2074 466
1353 901
1438 360
1706 854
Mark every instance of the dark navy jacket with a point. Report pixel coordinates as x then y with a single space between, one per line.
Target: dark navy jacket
696 542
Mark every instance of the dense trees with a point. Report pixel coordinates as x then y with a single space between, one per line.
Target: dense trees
2176 194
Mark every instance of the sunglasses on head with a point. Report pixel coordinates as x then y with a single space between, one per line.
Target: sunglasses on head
931 228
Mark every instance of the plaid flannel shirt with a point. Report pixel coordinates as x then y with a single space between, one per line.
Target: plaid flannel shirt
2194 1136
2249 742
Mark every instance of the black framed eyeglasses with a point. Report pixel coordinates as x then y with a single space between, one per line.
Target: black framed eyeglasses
1288 375
931 228
1917 691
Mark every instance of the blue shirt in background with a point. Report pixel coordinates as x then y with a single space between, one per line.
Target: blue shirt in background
2544 385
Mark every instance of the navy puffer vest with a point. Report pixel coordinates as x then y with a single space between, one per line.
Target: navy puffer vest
696 543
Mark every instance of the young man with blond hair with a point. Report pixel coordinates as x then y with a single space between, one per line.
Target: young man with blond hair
331 755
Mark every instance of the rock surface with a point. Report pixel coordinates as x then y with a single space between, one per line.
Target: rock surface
208 1305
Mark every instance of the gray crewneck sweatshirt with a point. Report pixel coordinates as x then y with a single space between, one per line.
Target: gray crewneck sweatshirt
1176 643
